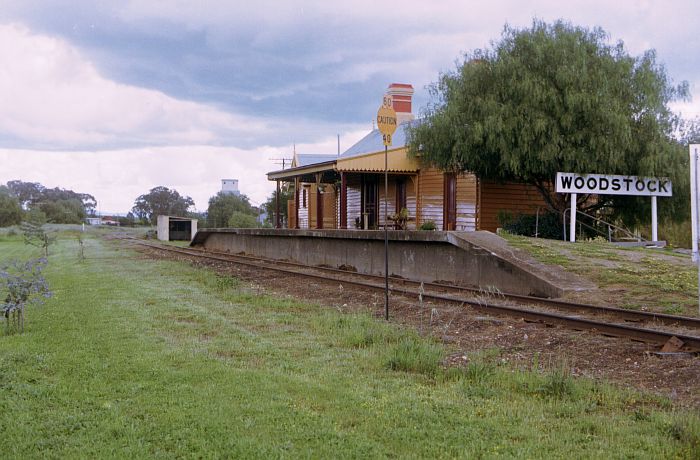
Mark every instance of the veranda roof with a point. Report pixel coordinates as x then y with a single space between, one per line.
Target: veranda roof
397 162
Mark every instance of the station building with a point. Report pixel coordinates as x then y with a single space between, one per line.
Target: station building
347 191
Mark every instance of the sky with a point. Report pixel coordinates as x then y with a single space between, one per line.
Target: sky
113 98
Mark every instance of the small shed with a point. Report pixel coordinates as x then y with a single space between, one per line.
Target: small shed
176 228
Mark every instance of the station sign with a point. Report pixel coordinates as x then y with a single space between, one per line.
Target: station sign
603 184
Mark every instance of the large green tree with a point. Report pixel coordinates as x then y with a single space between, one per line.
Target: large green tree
10 210
161 201
549 98
223 206
270 206
60 205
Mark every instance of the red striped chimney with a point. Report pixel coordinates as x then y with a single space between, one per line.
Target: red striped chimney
401 94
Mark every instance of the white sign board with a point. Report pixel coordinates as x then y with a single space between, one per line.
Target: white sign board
603 184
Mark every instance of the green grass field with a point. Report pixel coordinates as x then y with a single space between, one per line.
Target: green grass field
658 280
141 358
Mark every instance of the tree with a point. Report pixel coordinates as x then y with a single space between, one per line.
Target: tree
60 205
26 192
10 209
242 220
21 284
270 206
161 201
224 205
34 232
553 98
63 211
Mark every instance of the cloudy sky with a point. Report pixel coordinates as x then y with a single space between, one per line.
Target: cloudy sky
115 97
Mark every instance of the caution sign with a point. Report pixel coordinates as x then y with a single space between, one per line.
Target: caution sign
386 120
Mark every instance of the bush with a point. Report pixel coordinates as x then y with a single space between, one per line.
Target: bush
242 220
413 354
549 225
21 284
428 225
10 210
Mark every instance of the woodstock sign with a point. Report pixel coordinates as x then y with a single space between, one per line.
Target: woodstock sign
602 184
613 185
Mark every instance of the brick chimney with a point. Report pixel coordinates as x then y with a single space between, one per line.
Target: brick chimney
402 95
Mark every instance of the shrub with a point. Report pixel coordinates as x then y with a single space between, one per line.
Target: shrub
413 354
21 284
549 224
428 225
35 235
10 210
558 383
242 220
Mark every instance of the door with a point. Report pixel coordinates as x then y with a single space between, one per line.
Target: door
449 211
369 202
400 194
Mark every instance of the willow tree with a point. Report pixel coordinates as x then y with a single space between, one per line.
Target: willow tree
549 98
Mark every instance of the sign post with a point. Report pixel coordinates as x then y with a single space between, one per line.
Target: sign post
572 219
386 122
694 198
694 203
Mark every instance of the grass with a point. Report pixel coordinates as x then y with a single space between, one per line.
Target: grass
138 358
659 280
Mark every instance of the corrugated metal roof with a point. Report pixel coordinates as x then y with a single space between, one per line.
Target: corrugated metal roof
397 162
373 142
306 159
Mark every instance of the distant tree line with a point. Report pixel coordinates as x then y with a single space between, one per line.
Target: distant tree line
31 201
19 199
224 209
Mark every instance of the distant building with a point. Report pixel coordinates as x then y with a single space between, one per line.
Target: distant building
230 186
110 220
93 220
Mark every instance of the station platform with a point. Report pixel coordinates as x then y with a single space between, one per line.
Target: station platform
475 259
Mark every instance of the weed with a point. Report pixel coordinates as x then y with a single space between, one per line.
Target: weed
479 372
558 384
673 310
361 331
686 429
411 354
224 283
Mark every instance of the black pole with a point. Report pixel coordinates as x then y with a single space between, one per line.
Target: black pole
277 207
386 234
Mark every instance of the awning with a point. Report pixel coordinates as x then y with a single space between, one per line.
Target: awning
307 173
398 162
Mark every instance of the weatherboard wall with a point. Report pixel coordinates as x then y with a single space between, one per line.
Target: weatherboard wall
509 198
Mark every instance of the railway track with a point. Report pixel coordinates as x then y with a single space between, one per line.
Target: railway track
529 308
